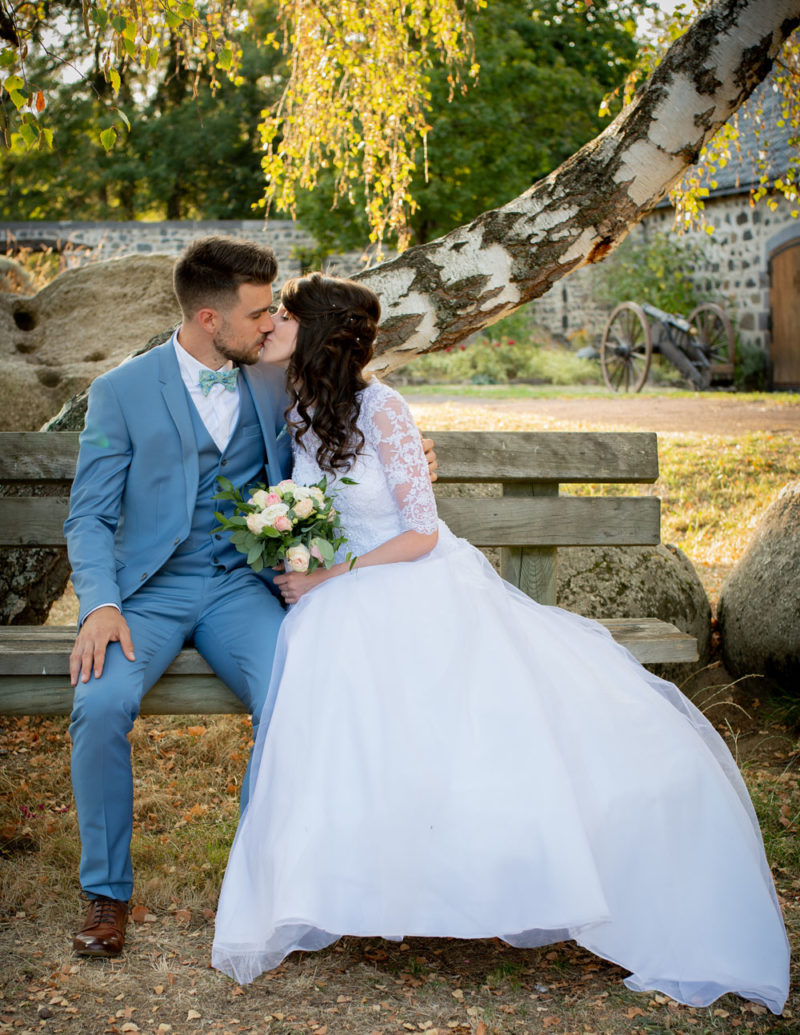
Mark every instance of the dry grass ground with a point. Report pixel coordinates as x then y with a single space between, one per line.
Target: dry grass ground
187 775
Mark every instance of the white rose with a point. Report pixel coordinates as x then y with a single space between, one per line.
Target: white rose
300 492
316 493
256 523
298 557
259 498
274 511
304 508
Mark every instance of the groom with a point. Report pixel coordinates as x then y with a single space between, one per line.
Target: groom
148 574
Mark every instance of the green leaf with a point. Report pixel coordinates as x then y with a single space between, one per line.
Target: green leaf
347 481
114 79
257 564
225 59
173 20
29 134
8 57
324 548
225 483
118 23
19 99
107 138
14 82
99 17
254 553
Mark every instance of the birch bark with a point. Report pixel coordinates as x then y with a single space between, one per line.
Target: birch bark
435 295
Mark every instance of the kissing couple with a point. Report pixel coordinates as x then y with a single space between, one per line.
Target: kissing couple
435 753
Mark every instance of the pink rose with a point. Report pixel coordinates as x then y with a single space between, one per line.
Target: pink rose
282 523
316 554
270 498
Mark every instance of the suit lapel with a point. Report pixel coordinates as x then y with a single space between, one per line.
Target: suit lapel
177 402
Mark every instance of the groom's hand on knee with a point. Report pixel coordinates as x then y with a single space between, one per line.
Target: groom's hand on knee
103 626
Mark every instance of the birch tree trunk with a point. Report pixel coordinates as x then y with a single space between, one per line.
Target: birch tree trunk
435 295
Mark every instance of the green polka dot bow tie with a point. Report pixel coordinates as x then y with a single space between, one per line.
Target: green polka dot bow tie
226 378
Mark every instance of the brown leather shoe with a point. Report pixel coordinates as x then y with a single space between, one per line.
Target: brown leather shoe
103 933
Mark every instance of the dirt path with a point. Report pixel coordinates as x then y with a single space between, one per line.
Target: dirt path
715 414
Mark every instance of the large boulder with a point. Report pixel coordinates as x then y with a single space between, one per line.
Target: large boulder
638 582
759 608
33 578
86 321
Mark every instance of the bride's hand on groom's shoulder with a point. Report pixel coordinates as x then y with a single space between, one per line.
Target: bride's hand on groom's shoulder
430 456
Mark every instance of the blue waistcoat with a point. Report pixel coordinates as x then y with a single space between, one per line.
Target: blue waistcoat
242 461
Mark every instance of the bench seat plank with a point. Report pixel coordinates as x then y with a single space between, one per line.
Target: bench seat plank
35 660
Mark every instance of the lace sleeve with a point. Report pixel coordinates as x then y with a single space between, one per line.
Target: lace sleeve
399 447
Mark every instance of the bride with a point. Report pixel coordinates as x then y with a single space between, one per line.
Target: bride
446 757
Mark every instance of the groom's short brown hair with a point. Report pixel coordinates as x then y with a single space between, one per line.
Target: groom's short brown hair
211 269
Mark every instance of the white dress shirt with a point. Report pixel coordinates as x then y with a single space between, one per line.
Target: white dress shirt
219 410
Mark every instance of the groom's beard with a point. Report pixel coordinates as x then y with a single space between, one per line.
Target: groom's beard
244 354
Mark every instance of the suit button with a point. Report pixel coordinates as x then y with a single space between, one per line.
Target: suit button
143 577
177 540
222 464
217 536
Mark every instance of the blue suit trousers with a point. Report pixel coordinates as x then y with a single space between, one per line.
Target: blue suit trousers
233 620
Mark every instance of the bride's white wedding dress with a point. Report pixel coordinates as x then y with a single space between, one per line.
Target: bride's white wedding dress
447 757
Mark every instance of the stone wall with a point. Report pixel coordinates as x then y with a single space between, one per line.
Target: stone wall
82 242
736 273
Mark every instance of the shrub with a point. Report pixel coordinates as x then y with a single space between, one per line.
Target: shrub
658 271
499 362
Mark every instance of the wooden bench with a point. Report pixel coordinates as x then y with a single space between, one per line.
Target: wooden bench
528 521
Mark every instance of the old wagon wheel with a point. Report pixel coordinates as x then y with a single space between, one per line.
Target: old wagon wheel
627 348
714 335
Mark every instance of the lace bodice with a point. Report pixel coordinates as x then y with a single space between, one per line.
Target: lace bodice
394 492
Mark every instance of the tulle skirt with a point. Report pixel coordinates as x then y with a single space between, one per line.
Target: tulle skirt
445 757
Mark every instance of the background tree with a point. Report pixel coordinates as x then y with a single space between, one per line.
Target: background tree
193 150
354 97
545 67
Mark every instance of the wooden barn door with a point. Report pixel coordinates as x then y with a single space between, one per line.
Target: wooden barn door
785 310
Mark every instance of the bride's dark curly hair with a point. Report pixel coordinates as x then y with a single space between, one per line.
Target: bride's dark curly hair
337 323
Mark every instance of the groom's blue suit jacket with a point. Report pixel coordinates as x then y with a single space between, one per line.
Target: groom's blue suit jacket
136 483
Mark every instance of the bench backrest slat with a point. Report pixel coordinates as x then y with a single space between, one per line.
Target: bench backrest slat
509 521
549 456
471 456
38 456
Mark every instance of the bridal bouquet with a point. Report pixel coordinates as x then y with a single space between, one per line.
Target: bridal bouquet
295 526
